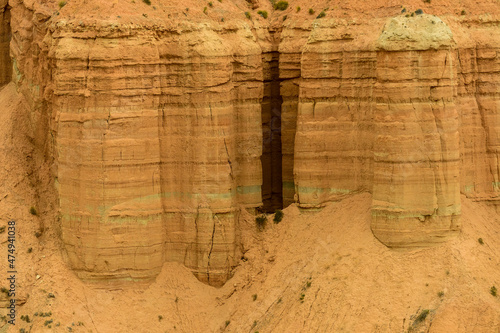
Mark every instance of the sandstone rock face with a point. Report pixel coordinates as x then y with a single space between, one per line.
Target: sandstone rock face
159 134
174 133
156 143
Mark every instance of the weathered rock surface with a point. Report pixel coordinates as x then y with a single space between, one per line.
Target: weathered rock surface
159 130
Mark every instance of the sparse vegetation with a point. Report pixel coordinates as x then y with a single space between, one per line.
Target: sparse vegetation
321 14
38 234
427 1
463 12
311 11
205 10
441 294
262 13
30 249
33 211
421 317
301 298
281 5
493 291
62 4
261 221
254 297
248 16
298 9
227 323
278 216
160 317
480 240
2 229
147 2
210 4
419 11
285 17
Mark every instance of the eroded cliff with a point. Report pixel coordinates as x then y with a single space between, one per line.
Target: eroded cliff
161 123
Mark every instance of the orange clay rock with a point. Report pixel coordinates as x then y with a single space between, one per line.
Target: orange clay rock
161 122
380 109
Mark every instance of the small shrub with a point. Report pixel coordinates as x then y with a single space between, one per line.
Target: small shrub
285 17
160 317
30 249
227 323
301 298
278 216
322 14
480 240
261 221
33 211
248 16
2 229
308 284
419 12
441 293
147 2
219 0
262 13
62 4
298 9
38 234
421 317
205 10
254 297
281 5
311 11
427 1
210 4
493 291
463 12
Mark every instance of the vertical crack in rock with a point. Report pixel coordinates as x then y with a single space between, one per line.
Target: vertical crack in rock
272 157
228 157
211 247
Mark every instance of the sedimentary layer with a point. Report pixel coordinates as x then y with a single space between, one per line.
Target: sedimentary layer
159 128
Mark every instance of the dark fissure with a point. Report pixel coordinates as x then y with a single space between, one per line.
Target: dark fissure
272 185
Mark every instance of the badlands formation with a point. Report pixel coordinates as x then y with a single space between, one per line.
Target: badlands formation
147 137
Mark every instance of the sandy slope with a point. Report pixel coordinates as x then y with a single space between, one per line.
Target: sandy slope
347 280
